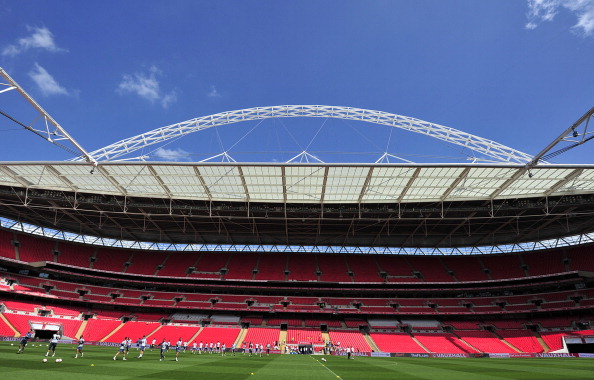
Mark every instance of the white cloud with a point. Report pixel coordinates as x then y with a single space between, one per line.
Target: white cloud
147 86
171 154
46 83
40 38
168 99
545 10
213 93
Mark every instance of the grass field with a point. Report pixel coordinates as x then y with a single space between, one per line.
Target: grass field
98 364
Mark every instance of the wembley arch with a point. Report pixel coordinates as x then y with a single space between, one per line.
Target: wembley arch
496 152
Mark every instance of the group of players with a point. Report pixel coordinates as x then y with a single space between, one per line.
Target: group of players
165 346
53 343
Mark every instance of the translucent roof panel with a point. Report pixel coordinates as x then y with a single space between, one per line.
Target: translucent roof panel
223 182
431 183
345 184
264 183
480 183
303 183
387 183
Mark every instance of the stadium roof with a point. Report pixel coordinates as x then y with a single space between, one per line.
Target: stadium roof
396 205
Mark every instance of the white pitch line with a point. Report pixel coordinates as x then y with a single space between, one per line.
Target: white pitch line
332 372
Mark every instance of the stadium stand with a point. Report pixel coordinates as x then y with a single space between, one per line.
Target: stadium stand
480 319
241 266
262 335
133 330
143 262
75 254
109 259
333 269
272 267
172 333
7 249
443 343
484 341
209 264
176 264
348 338
364 268
302 267
396 342
97 329
524 340
226 335
295 336
35 249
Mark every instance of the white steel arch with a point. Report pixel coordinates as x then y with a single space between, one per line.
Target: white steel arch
498 152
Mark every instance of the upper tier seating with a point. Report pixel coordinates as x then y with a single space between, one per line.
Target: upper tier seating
272 267
209 264
78 255
111 259
177 263
242 265
333 268
397 268
6 247
465 268
364 268
302 267
581 258
431 269
33 248
299 266
145 262
503 266
539 264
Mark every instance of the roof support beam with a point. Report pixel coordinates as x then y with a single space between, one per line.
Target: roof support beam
24 183
245 187
409 184
507 223
203 183
160 181
519 172
539 227
365 184
323 194
455 184
574 174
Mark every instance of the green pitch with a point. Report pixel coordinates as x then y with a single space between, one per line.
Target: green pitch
98 363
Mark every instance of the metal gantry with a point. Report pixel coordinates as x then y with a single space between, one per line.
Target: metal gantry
52 132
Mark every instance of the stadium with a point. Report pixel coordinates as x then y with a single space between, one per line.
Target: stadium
484 259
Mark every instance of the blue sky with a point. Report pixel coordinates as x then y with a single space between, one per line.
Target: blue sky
518 72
